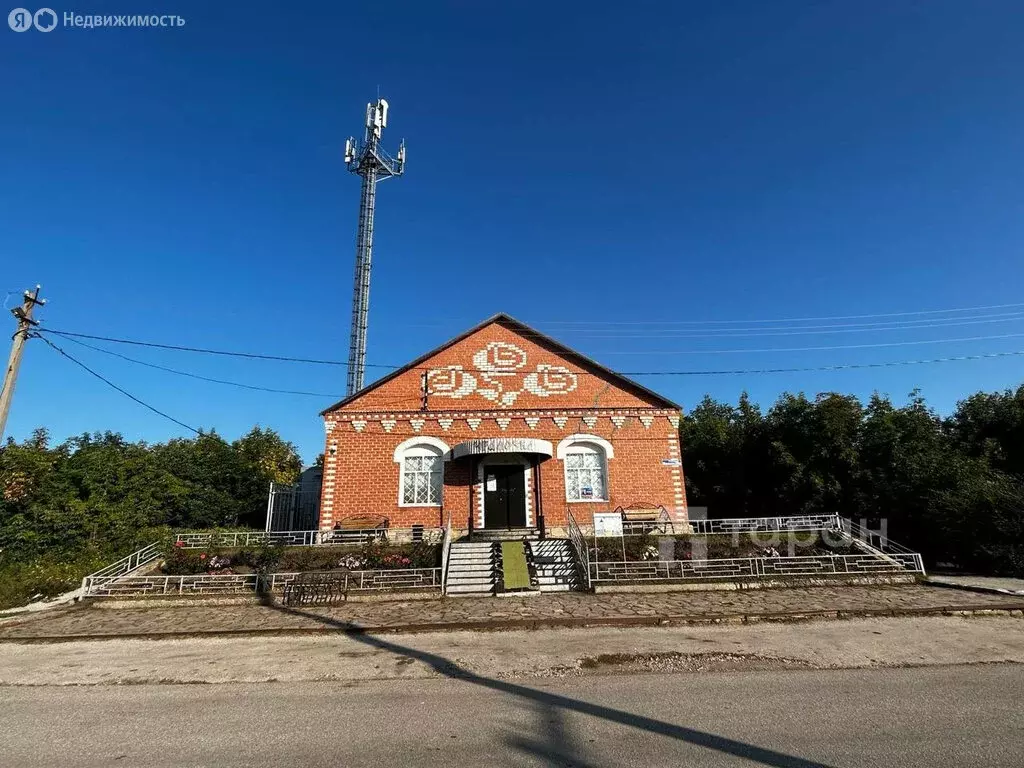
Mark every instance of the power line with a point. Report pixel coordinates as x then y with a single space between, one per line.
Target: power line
198 376
251 355
820 330
840 367
785 319
811 349
109 383
622 373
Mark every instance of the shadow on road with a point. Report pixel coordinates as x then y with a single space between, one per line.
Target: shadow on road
558 748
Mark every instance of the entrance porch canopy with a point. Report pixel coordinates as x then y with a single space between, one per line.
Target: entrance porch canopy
486 445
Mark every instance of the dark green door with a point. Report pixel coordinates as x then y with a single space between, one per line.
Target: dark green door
504 497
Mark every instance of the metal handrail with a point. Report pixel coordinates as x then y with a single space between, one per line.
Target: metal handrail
130 562
868 537
579 544
446 545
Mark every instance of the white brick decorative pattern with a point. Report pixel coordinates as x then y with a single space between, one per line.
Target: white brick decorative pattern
532 421
503 422
445 424
416 424
388 424
618 421
590 421
358 426
560 421
647 421
500 368
473 423
674 420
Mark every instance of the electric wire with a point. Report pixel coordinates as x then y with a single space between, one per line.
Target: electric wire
111 384
198 376
282 358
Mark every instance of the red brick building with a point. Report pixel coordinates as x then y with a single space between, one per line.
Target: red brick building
501 427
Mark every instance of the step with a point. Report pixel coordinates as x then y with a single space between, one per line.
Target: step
484 584
470 590
554 579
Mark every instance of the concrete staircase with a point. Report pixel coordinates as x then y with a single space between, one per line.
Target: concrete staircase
555 563
473 569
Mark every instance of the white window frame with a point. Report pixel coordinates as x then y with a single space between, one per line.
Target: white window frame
589 445
416 447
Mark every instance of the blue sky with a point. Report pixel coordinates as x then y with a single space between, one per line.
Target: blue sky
579 166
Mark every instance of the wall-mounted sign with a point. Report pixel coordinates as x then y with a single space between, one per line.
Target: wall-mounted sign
671 462
607 524
492 483
586 493
487 445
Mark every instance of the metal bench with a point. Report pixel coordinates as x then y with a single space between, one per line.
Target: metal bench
316 588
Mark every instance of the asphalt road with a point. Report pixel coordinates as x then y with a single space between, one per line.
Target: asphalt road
935 716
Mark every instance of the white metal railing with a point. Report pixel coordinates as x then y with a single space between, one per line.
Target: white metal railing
199 539
124 566
446 545
766 524
754 567
383 580
579 545
873 539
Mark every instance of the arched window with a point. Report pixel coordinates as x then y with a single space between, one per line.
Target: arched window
586 467
421 464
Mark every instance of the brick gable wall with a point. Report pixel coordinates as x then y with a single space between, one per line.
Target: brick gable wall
498 382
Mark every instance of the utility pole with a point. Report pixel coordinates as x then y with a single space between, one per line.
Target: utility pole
369 160
23 314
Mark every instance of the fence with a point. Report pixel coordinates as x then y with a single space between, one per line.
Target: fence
754 567
580 550
766 524
202 539
239 584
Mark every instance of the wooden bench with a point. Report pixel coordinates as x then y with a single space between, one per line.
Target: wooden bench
363 527
645 518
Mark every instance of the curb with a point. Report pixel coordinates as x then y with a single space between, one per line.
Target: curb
1016 610
972 588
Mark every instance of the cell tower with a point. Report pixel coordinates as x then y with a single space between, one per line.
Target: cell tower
368 160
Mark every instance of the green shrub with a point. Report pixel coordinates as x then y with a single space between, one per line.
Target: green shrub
23 582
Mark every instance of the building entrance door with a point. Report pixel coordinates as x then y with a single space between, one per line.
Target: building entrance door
504 496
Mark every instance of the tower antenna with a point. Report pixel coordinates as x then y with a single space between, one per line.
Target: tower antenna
368 160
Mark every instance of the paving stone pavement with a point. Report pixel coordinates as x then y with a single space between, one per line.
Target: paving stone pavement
483 613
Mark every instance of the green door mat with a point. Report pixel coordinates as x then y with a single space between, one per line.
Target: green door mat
514 570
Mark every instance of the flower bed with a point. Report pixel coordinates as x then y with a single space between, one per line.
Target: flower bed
375 555
719 546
